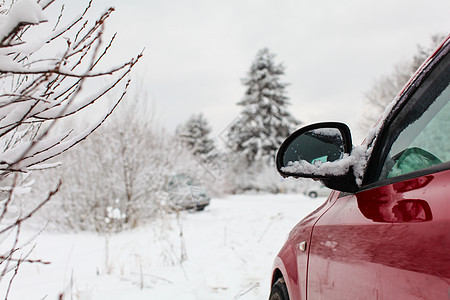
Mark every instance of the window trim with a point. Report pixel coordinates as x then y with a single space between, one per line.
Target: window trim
419 173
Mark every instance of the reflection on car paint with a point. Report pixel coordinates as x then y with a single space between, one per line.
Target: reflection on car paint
384 238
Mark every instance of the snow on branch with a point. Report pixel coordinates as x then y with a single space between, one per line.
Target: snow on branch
50 67
31 213
48 88
17 69
22 13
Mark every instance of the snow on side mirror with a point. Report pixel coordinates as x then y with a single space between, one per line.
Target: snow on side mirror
319 151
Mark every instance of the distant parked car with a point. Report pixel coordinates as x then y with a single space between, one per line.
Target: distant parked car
315 191
186 193
383 233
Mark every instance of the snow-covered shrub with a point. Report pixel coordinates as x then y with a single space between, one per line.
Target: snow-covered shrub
259 177
124 167
45 60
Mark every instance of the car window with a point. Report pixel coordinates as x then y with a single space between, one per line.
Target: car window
423 141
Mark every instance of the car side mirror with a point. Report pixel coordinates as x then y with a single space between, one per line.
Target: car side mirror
319 151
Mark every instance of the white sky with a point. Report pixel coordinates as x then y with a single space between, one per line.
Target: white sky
197 51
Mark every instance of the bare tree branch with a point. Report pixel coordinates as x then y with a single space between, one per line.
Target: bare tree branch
36 90
30 214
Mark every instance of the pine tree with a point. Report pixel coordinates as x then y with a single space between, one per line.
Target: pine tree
264 121
195 135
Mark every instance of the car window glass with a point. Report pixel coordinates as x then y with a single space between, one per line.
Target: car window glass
424 142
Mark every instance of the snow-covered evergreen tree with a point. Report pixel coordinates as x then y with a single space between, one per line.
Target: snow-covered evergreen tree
195 134
264 121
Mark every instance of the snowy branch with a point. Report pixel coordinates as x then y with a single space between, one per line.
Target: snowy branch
45 70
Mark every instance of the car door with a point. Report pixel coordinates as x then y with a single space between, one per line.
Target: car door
391 240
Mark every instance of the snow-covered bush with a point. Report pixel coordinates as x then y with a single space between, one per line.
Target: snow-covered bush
45 60
119 177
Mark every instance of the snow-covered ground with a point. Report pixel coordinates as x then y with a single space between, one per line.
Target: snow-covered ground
224 252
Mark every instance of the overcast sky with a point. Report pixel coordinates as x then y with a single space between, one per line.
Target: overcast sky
198 51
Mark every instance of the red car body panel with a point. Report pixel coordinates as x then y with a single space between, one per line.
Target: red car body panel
291 261
391 234
395 233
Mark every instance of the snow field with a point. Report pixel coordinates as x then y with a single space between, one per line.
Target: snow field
224 252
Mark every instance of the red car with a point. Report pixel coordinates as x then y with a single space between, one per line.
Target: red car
384 232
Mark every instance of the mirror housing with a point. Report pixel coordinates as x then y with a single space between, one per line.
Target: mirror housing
319 151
